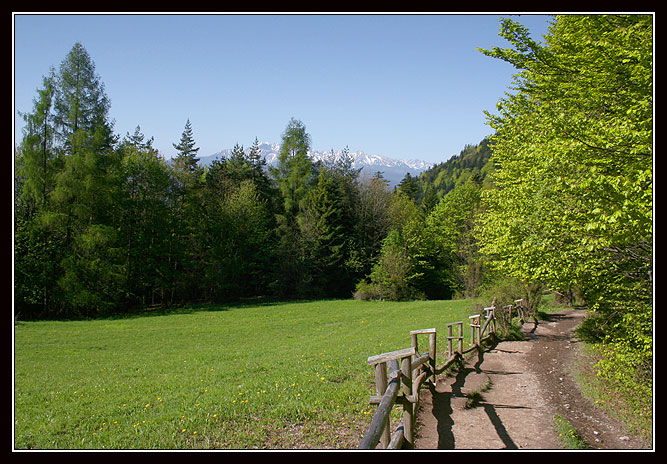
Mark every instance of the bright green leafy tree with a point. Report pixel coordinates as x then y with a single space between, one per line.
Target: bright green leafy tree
452 224
574 157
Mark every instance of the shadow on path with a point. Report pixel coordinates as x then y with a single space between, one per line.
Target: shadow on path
498 425
443 410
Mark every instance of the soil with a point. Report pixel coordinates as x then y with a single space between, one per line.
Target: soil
519 386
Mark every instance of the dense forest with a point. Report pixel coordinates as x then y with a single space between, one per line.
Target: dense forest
430 186
559 197
105 224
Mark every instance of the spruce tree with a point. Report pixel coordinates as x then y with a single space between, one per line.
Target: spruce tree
323 235
187 249
185 159
137 139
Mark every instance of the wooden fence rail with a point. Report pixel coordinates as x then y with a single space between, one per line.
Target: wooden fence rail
400 374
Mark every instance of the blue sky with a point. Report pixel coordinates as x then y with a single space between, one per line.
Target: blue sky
399 85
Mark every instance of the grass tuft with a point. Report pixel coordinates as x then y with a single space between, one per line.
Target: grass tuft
567 435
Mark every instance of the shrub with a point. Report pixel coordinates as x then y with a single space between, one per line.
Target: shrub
365 291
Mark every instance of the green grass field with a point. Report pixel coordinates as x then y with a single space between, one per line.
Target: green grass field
253 375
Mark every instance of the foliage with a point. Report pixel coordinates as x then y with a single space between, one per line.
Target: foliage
409 265
452 224
294 176
389 279
473 162
145 202
105 226
574 158
326 227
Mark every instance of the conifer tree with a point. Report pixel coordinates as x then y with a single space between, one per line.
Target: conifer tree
81 212
293 176
295 169
81 103
137 139
35 165
323 233
185 159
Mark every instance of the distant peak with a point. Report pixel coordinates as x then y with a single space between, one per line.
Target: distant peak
393 169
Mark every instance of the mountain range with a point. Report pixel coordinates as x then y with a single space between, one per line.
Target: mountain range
392 169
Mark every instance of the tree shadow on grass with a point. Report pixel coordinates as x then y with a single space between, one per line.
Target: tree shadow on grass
190 308
193 308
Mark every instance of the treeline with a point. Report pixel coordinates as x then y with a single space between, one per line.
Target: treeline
105 224
427 189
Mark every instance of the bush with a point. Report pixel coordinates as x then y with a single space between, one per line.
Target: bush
393 276
503 292
365 291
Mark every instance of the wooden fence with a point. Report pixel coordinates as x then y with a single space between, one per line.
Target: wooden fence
400 374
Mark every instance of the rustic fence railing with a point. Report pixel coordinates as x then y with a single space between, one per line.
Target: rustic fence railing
400 374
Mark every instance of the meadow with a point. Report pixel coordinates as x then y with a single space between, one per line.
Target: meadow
239 376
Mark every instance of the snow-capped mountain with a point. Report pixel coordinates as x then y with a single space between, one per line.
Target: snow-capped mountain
392 169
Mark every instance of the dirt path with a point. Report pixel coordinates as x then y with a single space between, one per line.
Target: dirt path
522 384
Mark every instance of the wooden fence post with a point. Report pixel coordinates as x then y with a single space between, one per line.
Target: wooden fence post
474 329
380 388
490 316
520 310
431 346
387 397
408 406
431 349
451 337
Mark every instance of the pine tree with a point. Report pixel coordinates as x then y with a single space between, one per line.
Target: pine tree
187 247
409 186
255 155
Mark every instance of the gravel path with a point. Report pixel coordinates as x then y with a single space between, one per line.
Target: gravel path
522 384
